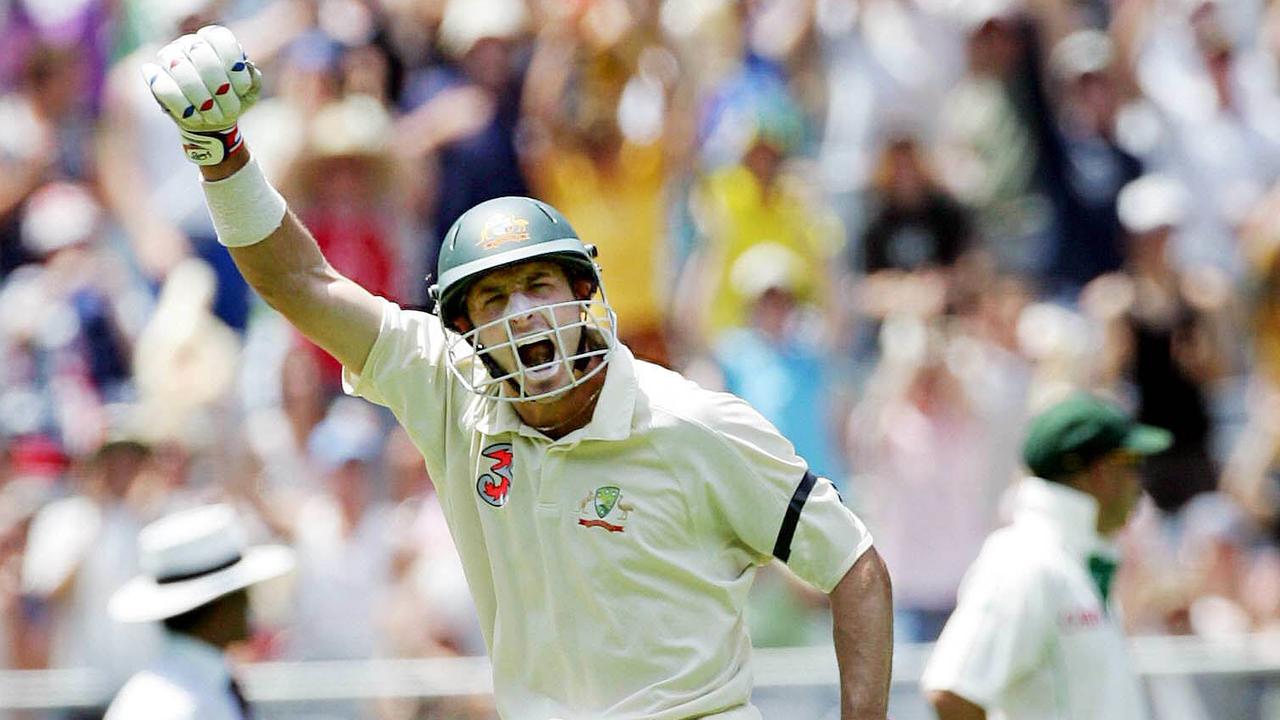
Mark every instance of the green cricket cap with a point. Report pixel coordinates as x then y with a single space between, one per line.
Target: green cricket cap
1078 431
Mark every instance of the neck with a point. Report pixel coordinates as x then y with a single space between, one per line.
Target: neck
562 415
1106 524
209 635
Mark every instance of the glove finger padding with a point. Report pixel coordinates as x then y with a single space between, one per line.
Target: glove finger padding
210 68
202 113
167 93
235 64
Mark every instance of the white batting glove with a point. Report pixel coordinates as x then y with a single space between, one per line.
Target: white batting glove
205 82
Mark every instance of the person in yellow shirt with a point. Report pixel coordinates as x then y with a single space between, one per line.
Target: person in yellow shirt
758 201
610 183
616 198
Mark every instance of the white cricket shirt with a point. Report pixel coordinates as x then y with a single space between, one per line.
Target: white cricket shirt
189 681
1030 638
610 567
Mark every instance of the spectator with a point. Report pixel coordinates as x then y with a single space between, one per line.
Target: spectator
1084 164
1163 332
345 183
609 180
30 469
989 137
65 335
185 360
277 434
344 548
888 64
1217 100
1260 245
46 138
82 548
160 221
915 224
1251 478
923 445
778 361
465 115
309 67
437 616
752 202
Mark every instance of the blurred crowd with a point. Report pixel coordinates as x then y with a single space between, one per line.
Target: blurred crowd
896 227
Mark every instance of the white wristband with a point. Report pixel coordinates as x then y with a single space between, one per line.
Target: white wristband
244 207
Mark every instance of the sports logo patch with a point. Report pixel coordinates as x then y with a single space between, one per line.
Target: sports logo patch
502 229
605 508
494 485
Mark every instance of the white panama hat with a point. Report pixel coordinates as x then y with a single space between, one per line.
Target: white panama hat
1152 202
767 266
191 558
1083 52
467 22
59 215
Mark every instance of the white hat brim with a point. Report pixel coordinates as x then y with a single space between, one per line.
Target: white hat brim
142 599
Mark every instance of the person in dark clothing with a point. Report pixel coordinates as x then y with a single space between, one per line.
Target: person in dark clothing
467 113
1162 335
916 224
1083 165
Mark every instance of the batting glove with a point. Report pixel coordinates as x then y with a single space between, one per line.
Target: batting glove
205 82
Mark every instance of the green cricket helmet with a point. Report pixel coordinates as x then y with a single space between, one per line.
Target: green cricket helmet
499 233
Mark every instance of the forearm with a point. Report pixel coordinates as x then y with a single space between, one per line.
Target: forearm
950 706
862 609
157 242
291 274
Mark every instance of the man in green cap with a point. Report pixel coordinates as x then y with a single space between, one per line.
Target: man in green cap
1032 634
610 514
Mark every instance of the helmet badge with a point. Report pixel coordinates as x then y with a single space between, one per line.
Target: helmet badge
501 229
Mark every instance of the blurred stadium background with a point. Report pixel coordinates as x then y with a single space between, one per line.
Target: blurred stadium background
896 227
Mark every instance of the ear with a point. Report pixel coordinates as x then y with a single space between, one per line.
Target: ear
582 288
463 324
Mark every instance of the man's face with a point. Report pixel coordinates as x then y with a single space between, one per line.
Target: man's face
1117 487
520 294
228 621
120 465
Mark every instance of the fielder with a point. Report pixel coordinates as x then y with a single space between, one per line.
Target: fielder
1033 635
610 514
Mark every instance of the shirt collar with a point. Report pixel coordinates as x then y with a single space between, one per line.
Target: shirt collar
611 419
203 659
1070 514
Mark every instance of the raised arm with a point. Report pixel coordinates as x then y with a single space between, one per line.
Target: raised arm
205 82
862 610
288 271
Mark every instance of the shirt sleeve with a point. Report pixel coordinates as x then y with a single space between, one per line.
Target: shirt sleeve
997 633
148 697
765 496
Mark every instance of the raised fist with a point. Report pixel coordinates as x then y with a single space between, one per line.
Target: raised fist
205 83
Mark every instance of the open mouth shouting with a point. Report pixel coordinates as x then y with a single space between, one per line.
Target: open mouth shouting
538 355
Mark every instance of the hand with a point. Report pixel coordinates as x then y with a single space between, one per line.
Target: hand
450 116
205 82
